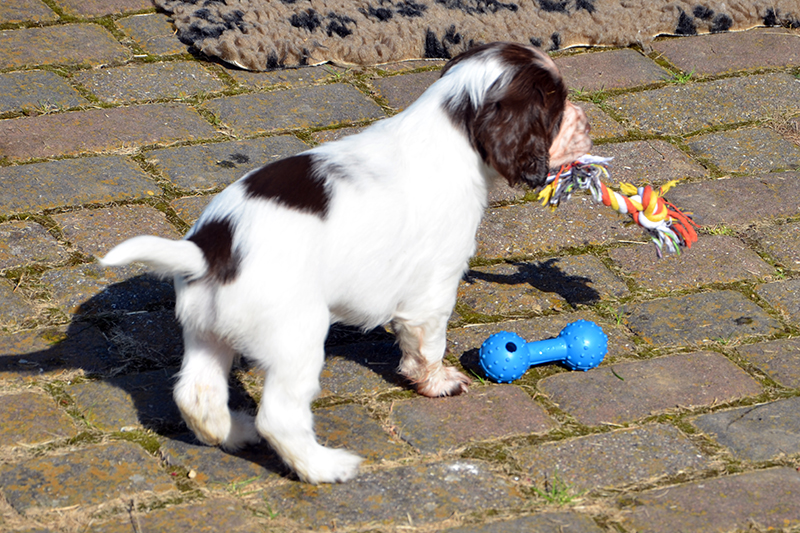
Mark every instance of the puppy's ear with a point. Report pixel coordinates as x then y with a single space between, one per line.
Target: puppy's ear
516 124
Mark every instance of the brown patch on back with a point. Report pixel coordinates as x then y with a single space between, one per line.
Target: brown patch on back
292 183
215 239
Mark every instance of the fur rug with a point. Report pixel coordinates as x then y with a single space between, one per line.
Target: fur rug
270 34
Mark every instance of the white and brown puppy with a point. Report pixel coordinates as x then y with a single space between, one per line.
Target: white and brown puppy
376 228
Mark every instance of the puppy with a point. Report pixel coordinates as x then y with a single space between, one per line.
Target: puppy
373 229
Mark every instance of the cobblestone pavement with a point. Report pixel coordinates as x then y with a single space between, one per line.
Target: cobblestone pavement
109 129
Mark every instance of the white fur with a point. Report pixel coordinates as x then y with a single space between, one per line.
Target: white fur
392 248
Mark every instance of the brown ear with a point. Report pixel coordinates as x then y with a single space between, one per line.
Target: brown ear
516 125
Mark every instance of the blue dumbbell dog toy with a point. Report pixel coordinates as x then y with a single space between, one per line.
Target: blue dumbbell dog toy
505 356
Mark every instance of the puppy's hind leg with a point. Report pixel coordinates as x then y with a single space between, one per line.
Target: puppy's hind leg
202 393
293 357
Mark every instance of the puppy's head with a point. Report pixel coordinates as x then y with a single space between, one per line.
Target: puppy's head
512 104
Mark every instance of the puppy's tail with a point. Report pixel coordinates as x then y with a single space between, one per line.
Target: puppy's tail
164 256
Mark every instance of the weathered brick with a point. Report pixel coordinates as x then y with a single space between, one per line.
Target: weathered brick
208 516
150 81
740 201
26 243
748 150
617 69
209 166
697 318
30 418
324 136
540 523
36 91
712 259
723 53
154 33
602 125
14 307
682 109
362 368
83 477
97 8
349 426
148 339
100 130
777 358
783 296
311 107
88 44
757 432
72 182
425 493
781 242
527 229
26 10
401 91
434 424
616 459
624 392
95 231
652 162
767 498
190 208
293 77
54 352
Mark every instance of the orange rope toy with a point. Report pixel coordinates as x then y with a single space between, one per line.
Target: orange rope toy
668 227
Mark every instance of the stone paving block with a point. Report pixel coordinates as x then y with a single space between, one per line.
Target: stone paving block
425 493
209 166
88 476
154 33
413 64
602 125
465 342
757 432
723 53
148 340
652 162
361 368
681 109
527 229
53 352
30 418
25 243
92 289
624 392
149 81
98 8
766 499
290 76
310 107
496 411
780 359
126 402
36 91
14 307
749 150
563 522
616 69
782 242
215 466
403 90
208 516
350 426
325 136
617 459
190 208
100 130
82 44
96 231
739 201
528 287
69 182
783 296
712 259
696 318
25 10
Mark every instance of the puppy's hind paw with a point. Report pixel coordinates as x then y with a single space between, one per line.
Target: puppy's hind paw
329 465
446 381
243 432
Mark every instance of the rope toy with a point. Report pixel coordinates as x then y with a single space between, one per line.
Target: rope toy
668 227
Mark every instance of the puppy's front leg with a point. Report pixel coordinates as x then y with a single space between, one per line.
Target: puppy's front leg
423 345
293 359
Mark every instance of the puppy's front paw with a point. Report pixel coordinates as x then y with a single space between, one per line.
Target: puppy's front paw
446 381
328 465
